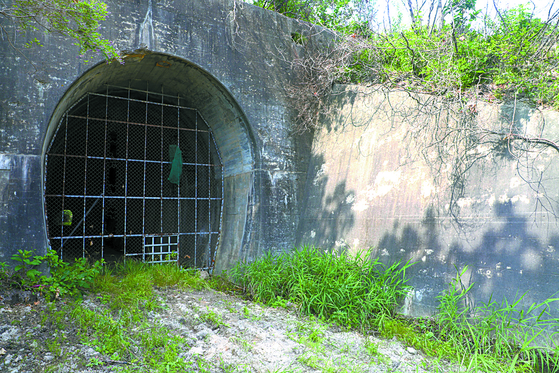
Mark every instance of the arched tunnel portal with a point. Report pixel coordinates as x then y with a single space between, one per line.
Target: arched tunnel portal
137 161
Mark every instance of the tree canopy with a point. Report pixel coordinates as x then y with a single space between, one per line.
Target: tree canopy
337 14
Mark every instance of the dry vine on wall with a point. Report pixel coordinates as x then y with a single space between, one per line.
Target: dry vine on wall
455 142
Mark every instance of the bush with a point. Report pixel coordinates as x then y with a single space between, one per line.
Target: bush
65 278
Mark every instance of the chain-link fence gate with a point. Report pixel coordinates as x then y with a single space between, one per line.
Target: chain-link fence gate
133 173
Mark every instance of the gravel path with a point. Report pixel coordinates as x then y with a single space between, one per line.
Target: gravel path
228 333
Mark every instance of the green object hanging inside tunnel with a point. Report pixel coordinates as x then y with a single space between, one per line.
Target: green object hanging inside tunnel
67 217
175 156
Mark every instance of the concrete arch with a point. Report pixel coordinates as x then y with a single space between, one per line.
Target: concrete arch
157 72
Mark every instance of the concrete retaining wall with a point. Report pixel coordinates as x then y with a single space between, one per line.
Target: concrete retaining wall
361 186
368 188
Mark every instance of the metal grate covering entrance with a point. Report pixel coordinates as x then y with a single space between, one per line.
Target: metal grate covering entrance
133 173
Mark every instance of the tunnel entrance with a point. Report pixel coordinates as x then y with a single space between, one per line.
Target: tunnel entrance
134 173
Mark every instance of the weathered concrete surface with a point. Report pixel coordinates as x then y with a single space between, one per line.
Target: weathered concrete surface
20 192
235 65
365 189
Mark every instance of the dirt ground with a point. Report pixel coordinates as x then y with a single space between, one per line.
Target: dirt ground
247 337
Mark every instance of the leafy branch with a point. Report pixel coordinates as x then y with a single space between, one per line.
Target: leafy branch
76 19
65 278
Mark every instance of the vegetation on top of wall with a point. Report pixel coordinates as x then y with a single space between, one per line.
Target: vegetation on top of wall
516 56
511 56
334 14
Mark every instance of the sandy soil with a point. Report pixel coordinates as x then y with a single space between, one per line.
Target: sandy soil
247 338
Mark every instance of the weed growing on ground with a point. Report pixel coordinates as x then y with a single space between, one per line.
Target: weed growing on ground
332 364
243 342
213 318
310 334
94 362
360 292
247 314
231 368
353 291
122 330
372 350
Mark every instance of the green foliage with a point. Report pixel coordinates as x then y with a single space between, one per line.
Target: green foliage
513 56
94 362
405 331
353 291
463 12
69 279
453 309
132 282
494 333
213 318
493 337
516 54
76 19
4 271
336 14
101 330
299 38
360 292
310 334
65 279
27 261
122 331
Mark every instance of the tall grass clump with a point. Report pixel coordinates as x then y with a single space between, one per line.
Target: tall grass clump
350 290
498 336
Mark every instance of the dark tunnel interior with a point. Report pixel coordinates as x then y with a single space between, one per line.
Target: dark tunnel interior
134 173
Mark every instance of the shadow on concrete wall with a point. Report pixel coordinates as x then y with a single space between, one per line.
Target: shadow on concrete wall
409 241
399 240
336 218
326 217
508 260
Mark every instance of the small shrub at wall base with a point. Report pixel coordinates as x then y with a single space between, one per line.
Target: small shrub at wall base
65 278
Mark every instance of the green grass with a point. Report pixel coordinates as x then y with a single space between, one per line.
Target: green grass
213 318
362 293
122 331
352 291
498 336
